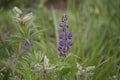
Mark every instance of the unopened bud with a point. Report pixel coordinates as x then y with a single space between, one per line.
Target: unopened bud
89 68
17 10
18 17
46 60
37 67
27 17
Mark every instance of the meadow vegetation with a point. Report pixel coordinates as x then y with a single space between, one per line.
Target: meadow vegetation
29 38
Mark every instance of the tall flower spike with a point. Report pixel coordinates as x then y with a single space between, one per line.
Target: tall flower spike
65 38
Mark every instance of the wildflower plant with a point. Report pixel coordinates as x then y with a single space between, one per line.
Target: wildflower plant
85 72
92 46
65 38
25 32
22 20
45 68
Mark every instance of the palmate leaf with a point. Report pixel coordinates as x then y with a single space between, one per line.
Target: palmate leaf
64 69
36 34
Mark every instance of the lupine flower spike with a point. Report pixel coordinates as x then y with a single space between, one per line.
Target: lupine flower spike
65 38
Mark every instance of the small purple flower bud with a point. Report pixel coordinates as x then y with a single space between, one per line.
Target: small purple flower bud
68 48
62 25
59 55
64 55
31 32
69 35
61 35
63 29
59 48
61 43
67 25
69 43
26 43
26 48
64 51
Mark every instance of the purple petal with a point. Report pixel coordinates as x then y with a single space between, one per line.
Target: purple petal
68 48
69 35
67 25
61 35
62 25
61 43
59 55
69 43
59 48
26 43
64 55
31 32
64 50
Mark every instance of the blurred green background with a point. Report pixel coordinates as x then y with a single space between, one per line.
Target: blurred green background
95 25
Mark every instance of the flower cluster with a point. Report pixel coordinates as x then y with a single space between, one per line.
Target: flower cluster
22 20
65 38
45 67
88 70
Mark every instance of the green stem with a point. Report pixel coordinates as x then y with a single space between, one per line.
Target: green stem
55 26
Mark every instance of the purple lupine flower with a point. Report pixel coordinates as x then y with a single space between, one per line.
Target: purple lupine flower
69 43
61 43
62 25
31 32
65 42
68 48
67 25
61 35
69 35
59 48
27 45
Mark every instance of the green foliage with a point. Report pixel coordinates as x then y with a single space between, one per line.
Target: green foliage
8 4
95 27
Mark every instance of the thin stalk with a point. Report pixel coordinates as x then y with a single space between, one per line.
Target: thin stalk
65 38
55 26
